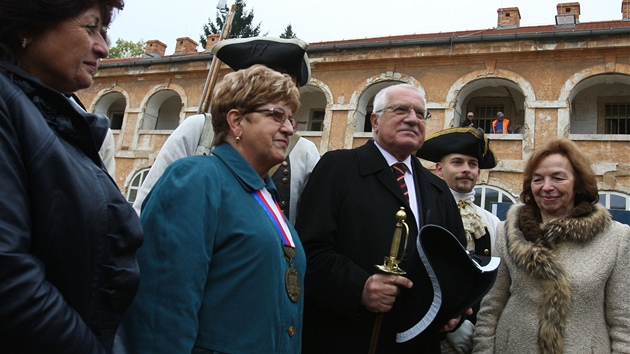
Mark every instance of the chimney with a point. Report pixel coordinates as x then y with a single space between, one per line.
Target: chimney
625 10
212 39
154 47
185 45
509 17
569 9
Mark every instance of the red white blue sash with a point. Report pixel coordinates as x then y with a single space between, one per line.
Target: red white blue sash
275 214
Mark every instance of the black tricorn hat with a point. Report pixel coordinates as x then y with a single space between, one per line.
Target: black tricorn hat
284 55
467 141
458 282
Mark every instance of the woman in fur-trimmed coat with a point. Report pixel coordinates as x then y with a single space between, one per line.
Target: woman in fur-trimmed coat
564 282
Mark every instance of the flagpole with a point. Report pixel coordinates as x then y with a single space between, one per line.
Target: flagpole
213 73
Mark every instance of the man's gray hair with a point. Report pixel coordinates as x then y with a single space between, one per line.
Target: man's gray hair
381 100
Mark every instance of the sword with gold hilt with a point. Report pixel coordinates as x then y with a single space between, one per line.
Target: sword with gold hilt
390 266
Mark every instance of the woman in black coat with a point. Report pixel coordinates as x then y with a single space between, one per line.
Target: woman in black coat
67 236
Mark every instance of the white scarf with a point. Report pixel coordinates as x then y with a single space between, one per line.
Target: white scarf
473 224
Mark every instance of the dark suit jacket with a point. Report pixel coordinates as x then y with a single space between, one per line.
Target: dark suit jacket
346 222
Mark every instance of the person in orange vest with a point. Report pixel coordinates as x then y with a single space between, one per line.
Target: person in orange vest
501 125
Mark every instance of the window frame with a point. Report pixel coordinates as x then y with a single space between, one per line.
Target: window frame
481 192
606 198
486 113
314 118
138 178
602 103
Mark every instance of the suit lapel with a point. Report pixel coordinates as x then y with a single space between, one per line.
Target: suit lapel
421 190
372 162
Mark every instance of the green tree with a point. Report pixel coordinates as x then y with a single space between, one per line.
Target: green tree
288 33
242 26
127 49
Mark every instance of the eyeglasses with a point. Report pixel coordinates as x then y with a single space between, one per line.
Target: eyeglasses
402 110
276 113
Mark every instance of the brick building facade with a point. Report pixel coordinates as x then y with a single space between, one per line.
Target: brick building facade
568 79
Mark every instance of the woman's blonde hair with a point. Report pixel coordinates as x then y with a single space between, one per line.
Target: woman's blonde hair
246 90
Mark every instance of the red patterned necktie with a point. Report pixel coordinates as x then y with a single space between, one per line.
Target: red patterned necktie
399 169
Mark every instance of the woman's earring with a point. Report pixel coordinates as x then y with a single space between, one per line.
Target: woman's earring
24 43
238 139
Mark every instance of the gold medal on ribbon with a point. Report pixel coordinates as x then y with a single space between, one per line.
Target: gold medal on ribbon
291 277
292 282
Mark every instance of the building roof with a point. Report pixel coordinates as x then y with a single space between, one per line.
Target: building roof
497 33
490 34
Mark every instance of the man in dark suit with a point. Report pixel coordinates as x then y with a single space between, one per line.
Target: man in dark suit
346 222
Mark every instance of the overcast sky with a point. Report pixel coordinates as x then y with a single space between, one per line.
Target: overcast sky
325 20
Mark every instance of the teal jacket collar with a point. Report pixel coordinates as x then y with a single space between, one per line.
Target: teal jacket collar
243 170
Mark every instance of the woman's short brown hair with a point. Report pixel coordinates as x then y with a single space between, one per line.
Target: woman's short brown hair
247 90
585 183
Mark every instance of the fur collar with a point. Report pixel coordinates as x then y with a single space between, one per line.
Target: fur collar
531 246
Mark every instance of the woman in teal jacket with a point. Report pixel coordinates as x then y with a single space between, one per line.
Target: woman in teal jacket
222 268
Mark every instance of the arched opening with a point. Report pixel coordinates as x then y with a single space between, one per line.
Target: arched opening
163 110
112 105
313 110
486 97
601 105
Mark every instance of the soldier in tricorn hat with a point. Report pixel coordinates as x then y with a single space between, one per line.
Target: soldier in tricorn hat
459 155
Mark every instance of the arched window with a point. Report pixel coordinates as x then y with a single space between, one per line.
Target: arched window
112 105
488 196
617 203
614 200
312 113
135 184
163 111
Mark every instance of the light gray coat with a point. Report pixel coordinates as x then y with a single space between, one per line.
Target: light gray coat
571 298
